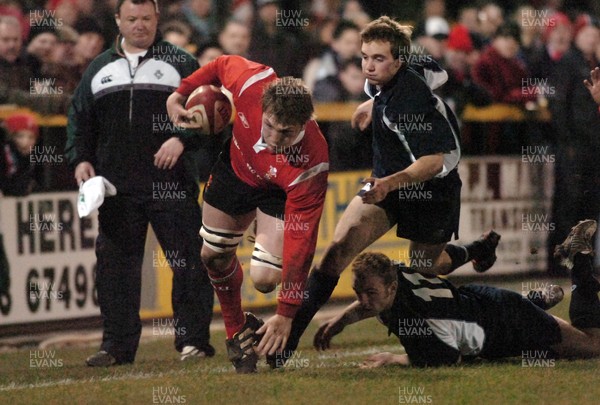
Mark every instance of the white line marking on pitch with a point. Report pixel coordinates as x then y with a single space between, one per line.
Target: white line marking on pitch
133 375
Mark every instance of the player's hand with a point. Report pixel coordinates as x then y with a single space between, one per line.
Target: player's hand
594 85
378 360
327 331
379 190
177 113
84 171
275 333
169 153
363 115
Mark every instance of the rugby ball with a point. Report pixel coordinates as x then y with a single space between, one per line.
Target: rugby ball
211 109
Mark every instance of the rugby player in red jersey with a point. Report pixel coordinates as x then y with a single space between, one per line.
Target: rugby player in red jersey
274 169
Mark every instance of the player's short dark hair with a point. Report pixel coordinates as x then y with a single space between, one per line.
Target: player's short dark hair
370 264
343 26
387 30
289 100
120 3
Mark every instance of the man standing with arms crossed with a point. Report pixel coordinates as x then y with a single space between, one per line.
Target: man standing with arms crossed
112 133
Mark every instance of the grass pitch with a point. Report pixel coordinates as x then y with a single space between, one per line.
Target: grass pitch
158 376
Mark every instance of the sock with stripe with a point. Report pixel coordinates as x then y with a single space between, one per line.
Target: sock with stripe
228 290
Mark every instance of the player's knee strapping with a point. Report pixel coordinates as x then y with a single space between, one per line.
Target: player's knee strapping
220 240
262 258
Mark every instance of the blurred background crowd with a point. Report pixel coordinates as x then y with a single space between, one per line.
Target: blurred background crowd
517 52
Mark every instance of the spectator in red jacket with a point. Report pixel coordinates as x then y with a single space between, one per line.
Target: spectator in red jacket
506 79
500 72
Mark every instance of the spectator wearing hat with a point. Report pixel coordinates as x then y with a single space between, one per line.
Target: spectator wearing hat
431 8
435 37
576 122
90 42
64 52
460 90
40 47
14 9
63 62
20 134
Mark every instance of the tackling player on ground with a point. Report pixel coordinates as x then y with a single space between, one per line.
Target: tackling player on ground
406 157
274 169
439 324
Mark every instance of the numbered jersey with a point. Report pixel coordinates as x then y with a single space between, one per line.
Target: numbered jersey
438 323
435 322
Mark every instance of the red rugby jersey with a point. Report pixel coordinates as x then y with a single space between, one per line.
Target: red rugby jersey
301 172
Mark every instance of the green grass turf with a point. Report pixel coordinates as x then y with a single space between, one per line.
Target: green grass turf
158 376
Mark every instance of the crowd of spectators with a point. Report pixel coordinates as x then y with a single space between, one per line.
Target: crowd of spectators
505 52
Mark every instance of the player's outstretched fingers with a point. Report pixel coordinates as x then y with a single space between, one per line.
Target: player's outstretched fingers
275 331
319 341
331 328
376 360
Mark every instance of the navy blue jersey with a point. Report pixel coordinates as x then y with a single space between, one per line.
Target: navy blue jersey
434 322
409 121
438 323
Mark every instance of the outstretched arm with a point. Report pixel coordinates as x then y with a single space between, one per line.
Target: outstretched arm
352 314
